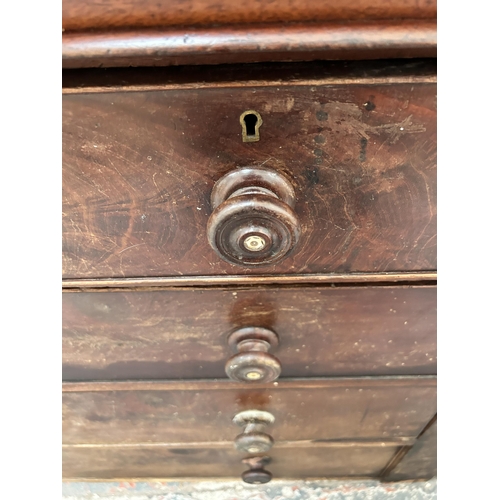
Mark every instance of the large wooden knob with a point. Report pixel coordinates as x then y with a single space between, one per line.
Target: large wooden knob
253 363
253 222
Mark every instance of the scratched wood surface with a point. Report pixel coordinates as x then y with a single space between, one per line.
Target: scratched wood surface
159 462
421 460
183 412
138 169
88 14
324 331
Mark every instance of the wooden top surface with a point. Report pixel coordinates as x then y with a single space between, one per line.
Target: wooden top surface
123 33
106 14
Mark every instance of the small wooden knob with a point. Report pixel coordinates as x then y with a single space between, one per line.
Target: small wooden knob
253 439
256 476
253 363
253 442
253 222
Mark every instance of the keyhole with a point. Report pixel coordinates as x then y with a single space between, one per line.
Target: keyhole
250 123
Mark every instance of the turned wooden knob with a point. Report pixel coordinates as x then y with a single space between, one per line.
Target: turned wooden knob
253 439
253 363
256 474
253 442
253 222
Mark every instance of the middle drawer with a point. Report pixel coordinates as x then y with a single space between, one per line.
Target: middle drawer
183 333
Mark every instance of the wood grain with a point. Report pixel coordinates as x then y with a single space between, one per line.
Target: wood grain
89 14
182 333
348 410
138 169
244 44
164 462
420 462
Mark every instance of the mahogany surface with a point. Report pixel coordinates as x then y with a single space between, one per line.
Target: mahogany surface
104 14
250 44
339 409
149 305
164 462
139 168
183 333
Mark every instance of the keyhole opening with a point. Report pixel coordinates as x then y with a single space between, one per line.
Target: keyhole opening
250 122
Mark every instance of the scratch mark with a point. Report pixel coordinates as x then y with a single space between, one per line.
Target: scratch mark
365 414
128 248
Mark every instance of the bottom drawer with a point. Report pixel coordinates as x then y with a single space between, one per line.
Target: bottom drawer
157 462
342 409
342 427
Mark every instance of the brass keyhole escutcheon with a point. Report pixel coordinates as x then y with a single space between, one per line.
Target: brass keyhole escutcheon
250 123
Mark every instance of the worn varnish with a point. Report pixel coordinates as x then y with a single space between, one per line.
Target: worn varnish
161 462
89 14
139 168
183 412
182 333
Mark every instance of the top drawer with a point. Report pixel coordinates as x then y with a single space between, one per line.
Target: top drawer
139 168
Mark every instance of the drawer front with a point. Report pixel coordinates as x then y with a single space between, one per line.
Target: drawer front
202 411
139 168
182 333
164 462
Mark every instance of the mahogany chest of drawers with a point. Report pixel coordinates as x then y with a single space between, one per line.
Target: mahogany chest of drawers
249 257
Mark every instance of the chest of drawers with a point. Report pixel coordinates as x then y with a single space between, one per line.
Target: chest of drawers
249 266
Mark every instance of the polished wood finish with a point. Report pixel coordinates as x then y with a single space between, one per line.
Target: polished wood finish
252 221
85 14
182 333
420 460
250 44
337 332
198 411
252 361
139 168
159 462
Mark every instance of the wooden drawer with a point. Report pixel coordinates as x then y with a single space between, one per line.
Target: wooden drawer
353 409
139 168
141 462
182 333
